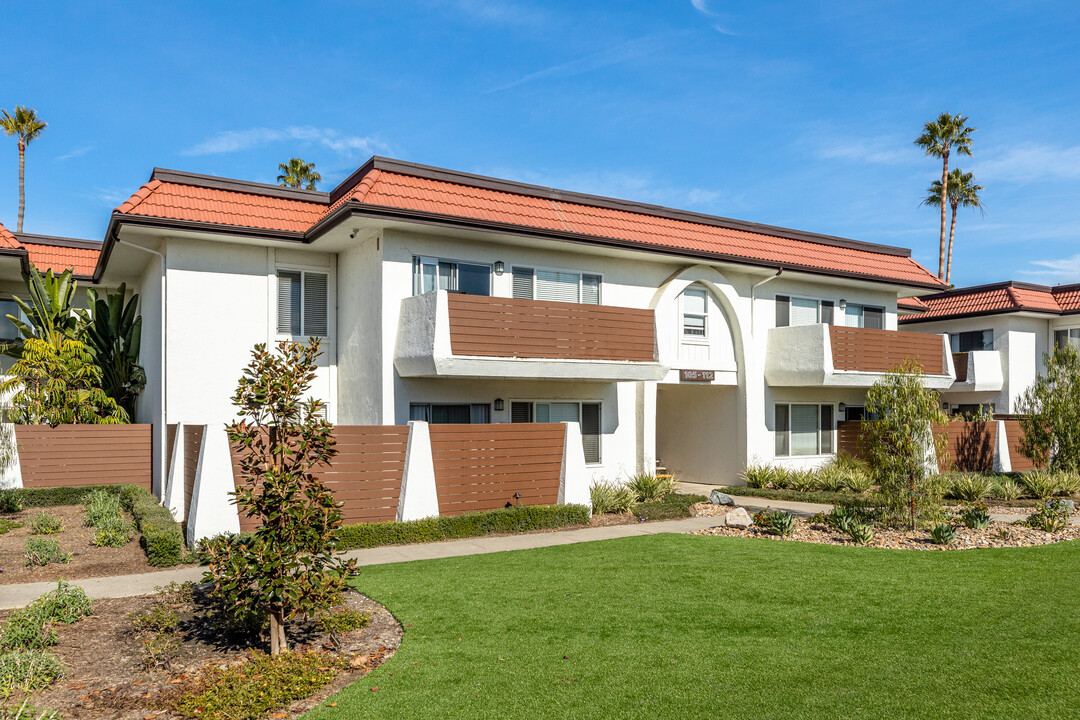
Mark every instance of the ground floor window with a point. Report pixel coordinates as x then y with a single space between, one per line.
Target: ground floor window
803 429
585 413
443 413
1067 337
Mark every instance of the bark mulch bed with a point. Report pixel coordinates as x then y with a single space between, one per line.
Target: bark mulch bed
86 561
105 676
996 535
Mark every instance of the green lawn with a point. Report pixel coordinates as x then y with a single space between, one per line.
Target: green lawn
679 626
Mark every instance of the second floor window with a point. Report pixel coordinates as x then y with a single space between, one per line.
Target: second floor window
972 340
556 285
864 316
302 303
459 277
695 309
793 311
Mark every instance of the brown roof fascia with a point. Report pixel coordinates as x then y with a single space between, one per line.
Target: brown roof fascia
28 239
352 208
489 183
909 319
180 177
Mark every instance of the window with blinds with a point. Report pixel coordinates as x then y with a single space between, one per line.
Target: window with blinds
556 286
803 429
303 303
586 414
443 413
466 278
794 311
695 308
864 316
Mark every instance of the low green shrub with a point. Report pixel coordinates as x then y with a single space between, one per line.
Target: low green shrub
802 480
27 628
758 476
162 538
1052 517
39 551
1005 488
1040 484
781 478
942 534
158 618
10 501
976 516
860 533
1068 483
28 670
45 524
101 507
669 507
8 525
248 690
343 621
112 532
26 711
969 486
857 481
647 487
840 519
451 527
66 604
609 497
830 478
775 522
51 496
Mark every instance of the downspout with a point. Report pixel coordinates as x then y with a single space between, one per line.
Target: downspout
753 288
162 460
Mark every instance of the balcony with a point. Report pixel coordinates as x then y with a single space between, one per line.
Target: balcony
834 356
978 371
450 335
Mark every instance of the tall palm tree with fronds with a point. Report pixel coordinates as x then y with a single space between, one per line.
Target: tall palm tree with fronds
296 172
26 126
962 191
939 138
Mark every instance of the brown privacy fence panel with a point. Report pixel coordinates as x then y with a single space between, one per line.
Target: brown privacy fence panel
1020 462
508 327
170 442
481 467
872 350
365 474
85 455
193 437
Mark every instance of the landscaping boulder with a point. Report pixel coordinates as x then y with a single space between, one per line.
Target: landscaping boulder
1067 503
718 498
738 518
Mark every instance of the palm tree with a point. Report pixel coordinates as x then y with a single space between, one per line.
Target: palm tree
939 138
26 126
962 192
296 172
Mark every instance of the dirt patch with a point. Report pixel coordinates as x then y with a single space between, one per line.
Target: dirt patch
607 519
105 676
86 560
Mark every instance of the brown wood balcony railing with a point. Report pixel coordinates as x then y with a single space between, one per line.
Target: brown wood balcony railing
872 350
512 328
960 364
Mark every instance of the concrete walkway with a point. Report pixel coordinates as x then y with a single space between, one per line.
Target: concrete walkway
144 583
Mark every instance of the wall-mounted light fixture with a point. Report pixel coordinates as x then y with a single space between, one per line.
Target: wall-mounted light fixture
500 267
843 304
498 404
841 407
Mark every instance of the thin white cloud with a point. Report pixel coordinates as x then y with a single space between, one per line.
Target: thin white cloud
876 150
77 152
236 140
496 11
702 6
1063 270
1028 162
615 55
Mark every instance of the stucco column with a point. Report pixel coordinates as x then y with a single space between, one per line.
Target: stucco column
645 415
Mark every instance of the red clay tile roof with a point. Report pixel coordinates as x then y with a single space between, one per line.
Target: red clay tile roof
998 298
913 304
6 238
436 192
82 261
191 203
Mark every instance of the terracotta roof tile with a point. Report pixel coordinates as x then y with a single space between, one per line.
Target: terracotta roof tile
221 207
998 298
912 303
6 238
82 261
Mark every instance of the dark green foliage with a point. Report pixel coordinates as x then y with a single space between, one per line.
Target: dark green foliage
609 497
976 516
50 312
161 536
942 534
1052 517
840 519
343 621
28 670
66 604
113 532
776 522
673 505
48 497
252 688
39 551
45 524
860 533
451 527
113 331
9 501
1050 412
8 525
27 628
101 505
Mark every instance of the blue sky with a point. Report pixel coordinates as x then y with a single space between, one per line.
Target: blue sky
799 114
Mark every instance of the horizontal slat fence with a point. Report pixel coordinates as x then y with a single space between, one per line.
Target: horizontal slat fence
481 467
873 350
509 327
75 455
1020 462
365 474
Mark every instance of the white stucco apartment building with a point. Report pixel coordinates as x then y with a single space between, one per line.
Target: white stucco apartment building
701 342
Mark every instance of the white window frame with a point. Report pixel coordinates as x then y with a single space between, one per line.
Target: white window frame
330 304
882 308
579 403
8 324
832 429
580 273
703 339
818 299
418 261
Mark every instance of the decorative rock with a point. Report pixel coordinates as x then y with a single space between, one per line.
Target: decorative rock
1067 503
738 518
718 498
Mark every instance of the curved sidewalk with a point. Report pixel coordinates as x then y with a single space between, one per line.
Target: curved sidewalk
144 583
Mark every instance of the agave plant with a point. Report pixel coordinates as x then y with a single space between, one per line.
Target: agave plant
830 478
113 335
758 476
861 533
1006 488
976 517
802 480
840 519
1039 483
608 497
50 314
857 481
971 487
942 534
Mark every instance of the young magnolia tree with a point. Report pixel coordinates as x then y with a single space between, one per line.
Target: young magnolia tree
289 565
1051 412
901 442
